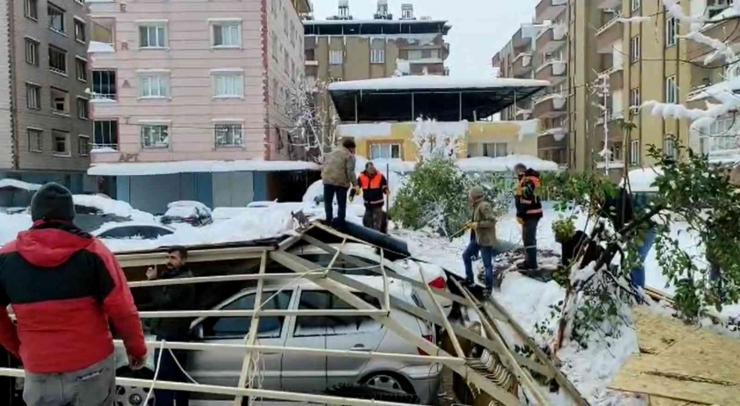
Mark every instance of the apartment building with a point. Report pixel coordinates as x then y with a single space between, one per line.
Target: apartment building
206 80
45 126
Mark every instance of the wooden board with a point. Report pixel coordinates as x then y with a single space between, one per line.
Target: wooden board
658 401
656 333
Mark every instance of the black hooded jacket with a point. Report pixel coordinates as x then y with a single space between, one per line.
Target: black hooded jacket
170 298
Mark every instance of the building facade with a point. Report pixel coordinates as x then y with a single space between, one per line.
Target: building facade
205 80
45 126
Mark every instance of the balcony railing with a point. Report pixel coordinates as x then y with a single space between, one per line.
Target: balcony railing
609 24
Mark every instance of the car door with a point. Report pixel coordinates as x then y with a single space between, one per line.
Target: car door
224 367
316 373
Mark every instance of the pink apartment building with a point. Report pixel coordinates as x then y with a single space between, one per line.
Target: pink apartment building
189 97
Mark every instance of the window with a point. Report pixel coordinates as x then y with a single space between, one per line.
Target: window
57 60
226 34
81 67
105 134
495 150
33 96
35 140
60 143
671 30
669 147
635 49
414 54
336 57
32 52
154 85
56 18
228 84
152 36
385 151
311 326
83 145
80 33
635 5
104 84
59 101
155 136
671 91
31 9
228 135
635 99
377 56
634 152
238 327
83 110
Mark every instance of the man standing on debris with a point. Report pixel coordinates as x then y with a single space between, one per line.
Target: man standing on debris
65 287
374 188
171 298
338 175
482 240
528 213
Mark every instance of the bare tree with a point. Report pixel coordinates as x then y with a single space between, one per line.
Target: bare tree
313 120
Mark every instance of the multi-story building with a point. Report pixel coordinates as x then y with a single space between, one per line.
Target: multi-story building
45 127
179 82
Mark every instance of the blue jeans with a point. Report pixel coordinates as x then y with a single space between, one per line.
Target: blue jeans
638 272
341 193
486 253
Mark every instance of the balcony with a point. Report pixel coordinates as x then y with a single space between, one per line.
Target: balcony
616 77
553 71
608 4
551 38
522 64
549 9
609 33
550 105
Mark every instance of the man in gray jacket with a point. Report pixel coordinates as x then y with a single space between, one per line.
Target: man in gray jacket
338 175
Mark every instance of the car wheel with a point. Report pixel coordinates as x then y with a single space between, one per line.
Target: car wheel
389 382
134 396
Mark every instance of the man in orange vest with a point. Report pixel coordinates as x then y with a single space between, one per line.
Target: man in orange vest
528 212
374 188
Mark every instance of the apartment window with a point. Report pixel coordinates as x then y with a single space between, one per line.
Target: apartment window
228 84
105 134
385 151
669 147
377 56
59 101
671 31
634 152
154 85
635 99
60 143
228 135
35 140
57 60
414 54
56 18
226 34
104 84
80 33
155 136
32 52
83 110
336 57
83 145
31 9
153 36
81 67
33 96
495 150
635 49
671 91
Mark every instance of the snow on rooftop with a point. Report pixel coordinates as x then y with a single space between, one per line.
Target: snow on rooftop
359 131
19 184
643 179
361 22
100 47
110 206
505 163
434 82
167 168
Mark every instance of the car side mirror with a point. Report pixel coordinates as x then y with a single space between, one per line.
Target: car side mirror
198 331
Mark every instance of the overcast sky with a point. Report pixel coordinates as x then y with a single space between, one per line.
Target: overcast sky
479 27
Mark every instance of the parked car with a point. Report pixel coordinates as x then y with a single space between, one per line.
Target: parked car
190 212
132 230
309 373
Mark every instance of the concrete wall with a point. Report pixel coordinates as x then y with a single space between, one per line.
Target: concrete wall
6 135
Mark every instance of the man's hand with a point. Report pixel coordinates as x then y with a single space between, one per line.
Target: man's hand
136 363
471 226
151 273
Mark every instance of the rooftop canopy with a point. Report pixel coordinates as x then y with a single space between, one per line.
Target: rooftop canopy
439 97
375 27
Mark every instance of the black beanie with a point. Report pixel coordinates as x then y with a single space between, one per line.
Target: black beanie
52 202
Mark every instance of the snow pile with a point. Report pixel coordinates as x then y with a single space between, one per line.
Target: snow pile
643 179
528 127
103 150
18 184
12 224
435 82
100 47
403 67
168 168
106 205
198 206
505 164
438 139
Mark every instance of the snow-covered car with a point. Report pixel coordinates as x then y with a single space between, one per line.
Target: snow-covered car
132 230
190 212
434 275
261 204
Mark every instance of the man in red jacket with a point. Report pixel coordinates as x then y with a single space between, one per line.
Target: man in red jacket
65 287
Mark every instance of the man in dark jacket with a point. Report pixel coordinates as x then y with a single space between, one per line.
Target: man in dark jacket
65 287
171 298
338 175
374 187
528 212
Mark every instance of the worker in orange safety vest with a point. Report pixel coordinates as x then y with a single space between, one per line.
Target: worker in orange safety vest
528 212
374 189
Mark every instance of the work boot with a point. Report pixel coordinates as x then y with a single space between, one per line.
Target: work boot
469 283
486 293
498 279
